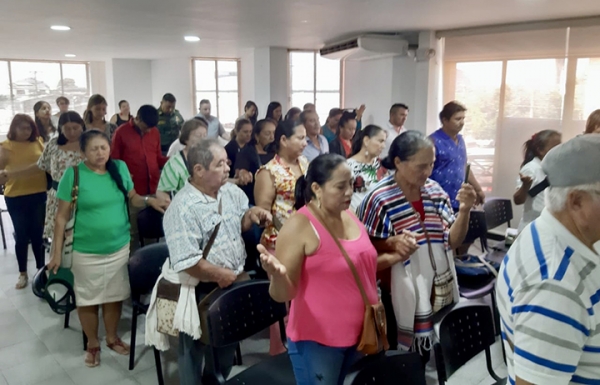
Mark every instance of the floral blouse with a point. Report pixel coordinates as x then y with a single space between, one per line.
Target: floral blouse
283 205
366 177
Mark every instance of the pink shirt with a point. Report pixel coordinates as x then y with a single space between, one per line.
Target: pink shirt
328 307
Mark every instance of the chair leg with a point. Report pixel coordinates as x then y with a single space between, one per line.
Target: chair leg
495 313
2 230
67 315
133 335
238 355
159 373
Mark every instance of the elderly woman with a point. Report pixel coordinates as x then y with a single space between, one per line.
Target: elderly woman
175 173
100 239
412 215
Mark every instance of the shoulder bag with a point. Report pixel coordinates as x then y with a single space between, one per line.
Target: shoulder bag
442 292
373 338
67 248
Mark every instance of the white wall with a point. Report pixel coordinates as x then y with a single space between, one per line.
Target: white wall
174 76
132 80
380 83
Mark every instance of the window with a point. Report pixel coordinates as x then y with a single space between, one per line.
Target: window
478 87
315 80
218 82
24 83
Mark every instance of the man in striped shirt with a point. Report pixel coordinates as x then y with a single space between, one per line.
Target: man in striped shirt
549 284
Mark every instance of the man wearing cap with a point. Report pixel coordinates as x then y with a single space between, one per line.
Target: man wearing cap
548 288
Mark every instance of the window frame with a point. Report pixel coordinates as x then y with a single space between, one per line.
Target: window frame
314 91
215 60
12 92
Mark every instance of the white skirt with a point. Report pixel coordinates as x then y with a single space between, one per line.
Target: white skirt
101 279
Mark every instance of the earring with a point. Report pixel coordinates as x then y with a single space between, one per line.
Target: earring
367 153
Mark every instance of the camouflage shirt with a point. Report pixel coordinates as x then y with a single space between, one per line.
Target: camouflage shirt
169 126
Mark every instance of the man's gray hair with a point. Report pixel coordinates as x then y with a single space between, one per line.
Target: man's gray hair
201 153
556 197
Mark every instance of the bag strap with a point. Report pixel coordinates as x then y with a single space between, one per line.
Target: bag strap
431 258
185 162
74 190
212 238
345 254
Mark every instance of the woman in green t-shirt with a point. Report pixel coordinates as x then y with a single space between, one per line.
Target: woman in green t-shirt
100 239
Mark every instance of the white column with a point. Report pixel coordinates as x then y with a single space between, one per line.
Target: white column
427 81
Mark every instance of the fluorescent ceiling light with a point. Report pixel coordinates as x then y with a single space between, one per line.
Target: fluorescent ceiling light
70 55
60 28
191 38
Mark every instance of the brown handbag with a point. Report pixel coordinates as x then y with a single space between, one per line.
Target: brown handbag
373 338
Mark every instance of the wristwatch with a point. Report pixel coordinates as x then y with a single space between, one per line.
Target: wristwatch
146 200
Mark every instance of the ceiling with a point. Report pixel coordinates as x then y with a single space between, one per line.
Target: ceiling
151 29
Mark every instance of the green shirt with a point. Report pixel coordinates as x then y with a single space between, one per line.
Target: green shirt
173 175
101 219
169 127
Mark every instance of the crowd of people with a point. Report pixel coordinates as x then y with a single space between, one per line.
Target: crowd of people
272 200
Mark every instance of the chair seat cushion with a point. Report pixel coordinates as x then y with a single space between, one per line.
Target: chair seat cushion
273 371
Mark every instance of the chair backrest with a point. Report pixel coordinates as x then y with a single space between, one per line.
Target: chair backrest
150 224
391 368
241 311
464 333
145 267
497 212
477 228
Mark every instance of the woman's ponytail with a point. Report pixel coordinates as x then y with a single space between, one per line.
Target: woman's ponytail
300 193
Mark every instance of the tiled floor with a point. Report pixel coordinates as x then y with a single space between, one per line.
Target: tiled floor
36 349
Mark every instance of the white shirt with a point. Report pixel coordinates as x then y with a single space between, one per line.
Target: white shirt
391 135
548 294
175 147
533 206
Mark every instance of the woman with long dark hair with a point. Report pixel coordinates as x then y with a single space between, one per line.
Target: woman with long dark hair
100 239
531 174
25 197
95 113
274 189
342 144
293 114
327 309
43 120
250 112
274 112
254 155
365 163
240 137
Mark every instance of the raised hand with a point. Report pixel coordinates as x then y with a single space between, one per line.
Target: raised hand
269 263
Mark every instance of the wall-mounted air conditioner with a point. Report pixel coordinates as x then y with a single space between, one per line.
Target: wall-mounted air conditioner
366 47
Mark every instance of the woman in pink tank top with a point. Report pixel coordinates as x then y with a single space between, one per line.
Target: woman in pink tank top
326 314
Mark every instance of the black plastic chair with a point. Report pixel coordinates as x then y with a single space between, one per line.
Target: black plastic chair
391 368
478 287
238 313
464 333
150 226
497 213
144 268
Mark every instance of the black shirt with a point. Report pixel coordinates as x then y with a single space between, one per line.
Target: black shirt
250 160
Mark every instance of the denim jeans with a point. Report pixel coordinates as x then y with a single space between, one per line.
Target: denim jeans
27 213
316 364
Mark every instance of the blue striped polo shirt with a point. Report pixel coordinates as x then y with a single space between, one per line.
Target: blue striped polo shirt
548 294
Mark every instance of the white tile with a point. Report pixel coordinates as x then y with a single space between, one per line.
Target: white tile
107 372
3 380
61 379
144 359
21 301
6 305
17 333
9 317
126 381
63 339
33 372
25 352
170 375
